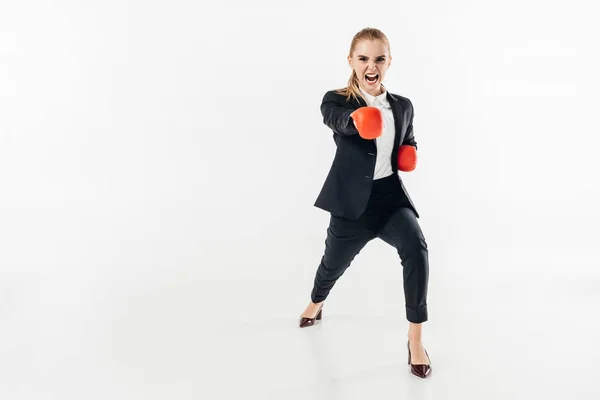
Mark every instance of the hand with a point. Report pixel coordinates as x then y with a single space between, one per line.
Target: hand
407 158
368 122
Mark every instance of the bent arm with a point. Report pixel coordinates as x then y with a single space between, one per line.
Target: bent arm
409 138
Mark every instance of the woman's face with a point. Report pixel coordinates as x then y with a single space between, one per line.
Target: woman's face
370 60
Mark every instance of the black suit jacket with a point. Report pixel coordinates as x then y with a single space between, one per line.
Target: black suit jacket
347 188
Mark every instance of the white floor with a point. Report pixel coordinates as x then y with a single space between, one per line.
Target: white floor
227 328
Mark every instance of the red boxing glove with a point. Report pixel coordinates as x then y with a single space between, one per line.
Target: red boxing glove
407 158
368 122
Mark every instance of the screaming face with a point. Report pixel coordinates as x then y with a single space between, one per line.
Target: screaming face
370 60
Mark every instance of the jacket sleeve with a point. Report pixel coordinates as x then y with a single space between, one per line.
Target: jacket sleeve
336 116
409 138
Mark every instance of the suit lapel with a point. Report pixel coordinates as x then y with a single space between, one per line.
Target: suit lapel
358 103
398 118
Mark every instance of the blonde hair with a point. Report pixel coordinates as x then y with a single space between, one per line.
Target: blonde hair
353 89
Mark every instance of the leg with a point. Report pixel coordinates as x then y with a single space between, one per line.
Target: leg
345 239
402 231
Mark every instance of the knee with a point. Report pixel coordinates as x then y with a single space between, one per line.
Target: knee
414 248
336 258
335 265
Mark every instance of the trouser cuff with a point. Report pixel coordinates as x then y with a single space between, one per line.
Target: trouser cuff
416 315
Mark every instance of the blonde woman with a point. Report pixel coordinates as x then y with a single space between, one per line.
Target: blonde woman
363 192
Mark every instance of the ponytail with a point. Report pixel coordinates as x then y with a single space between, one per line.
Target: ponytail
352 91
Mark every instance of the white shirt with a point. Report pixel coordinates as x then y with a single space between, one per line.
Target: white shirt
385 142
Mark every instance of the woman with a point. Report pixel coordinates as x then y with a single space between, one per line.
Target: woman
363 191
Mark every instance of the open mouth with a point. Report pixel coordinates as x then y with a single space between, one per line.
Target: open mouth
371 78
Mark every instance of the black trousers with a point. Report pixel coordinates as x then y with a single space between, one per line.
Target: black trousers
389 218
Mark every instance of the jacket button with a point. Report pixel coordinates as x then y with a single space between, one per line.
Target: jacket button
371 154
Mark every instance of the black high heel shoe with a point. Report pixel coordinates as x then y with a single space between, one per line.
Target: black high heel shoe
305 322
420 370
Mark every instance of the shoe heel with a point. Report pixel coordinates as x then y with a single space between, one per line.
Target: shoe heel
305 321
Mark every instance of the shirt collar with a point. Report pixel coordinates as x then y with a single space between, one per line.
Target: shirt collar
381 99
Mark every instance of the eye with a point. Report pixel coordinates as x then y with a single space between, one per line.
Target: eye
380 59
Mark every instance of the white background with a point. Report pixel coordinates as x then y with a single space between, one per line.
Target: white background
159 162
